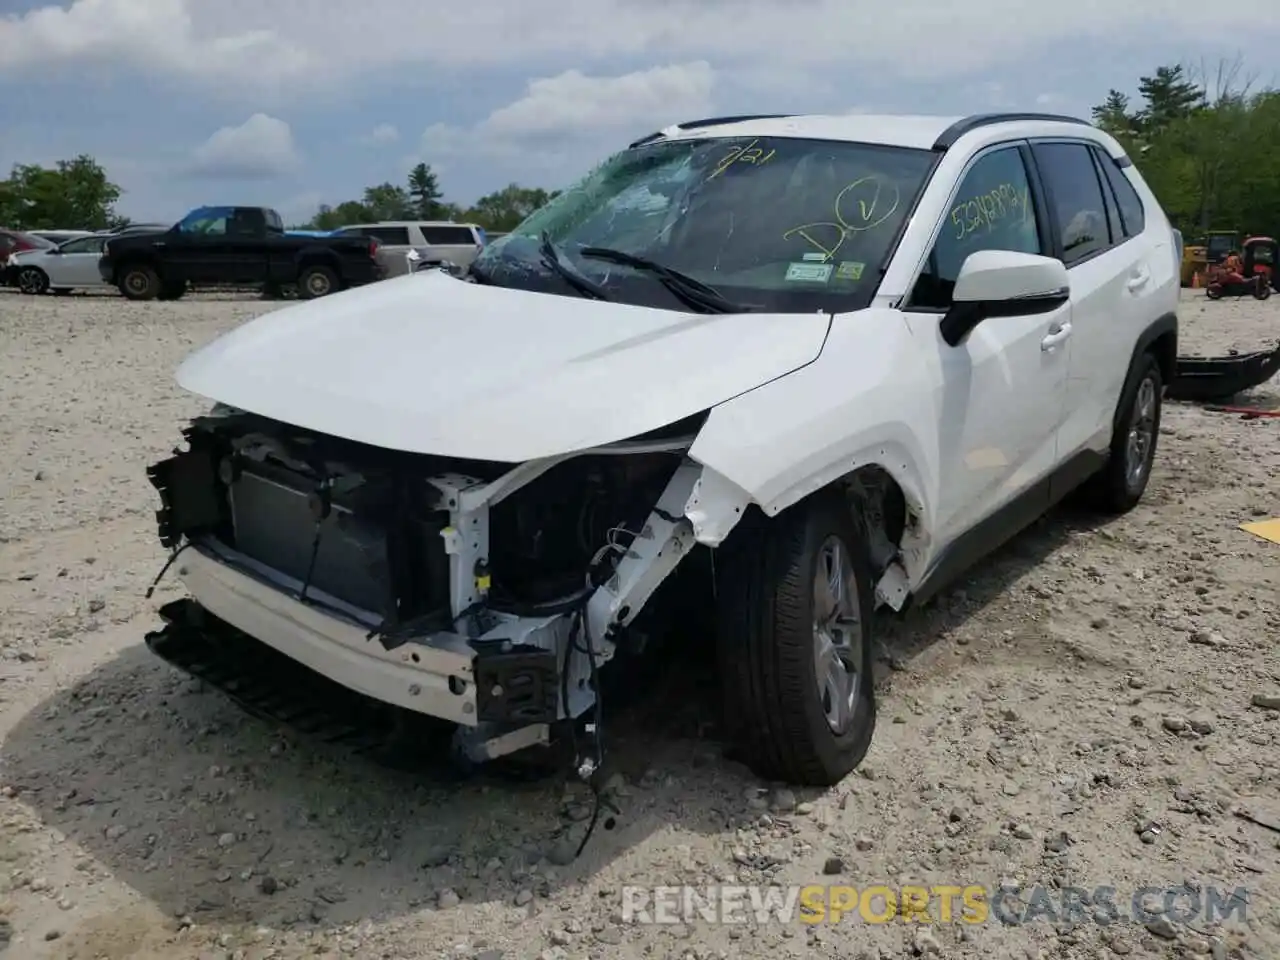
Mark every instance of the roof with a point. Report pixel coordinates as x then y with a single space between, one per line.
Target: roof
409 223
906 131
921 132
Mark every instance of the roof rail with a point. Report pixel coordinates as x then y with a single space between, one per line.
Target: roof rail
741 118
714 122
947 139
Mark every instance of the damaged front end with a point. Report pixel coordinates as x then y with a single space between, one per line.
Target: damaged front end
484 594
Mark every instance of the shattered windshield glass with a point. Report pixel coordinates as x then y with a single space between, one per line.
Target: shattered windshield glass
753 223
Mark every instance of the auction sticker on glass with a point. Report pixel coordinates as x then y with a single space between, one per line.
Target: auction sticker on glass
809 272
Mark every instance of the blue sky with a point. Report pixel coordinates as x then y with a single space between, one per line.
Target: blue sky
291 103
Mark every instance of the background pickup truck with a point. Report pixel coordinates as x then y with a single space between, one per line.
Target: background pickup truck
240 246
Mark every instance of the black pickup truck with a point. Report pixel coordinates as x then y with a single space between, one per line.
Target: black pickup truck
236 246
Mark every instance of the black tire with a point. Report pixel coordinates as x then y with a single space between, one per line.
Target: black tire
61 291
139 282
1213 293
1118 487
316 281
33 281
1263 289
774 705
172 291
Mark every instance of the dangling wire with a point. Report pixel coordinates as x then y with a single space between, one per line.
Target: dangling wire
165 569
324 495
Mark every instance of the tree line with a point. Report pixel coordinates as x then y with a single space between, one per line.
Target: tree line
1207 141
78 195
72 195
421 199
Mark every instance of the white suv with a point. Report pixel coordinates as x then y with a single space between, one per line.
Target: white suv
786 368
456 243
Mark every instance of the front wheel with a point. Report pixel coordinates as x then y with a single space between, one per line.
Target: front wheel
32 281
794 643
139 283
1213 292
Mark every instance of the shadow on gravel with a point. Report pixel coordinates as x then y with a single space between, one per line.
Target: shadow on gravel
909 635
213 814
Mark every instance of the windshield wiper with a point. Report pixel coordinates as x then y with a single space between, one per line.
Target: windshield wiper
551 257
694 293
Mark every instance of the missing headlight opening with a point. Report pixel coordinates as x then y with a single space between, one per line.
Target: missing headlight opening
484 594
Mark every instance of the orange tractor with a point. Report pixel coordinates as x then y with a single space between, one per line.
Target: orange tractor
1254 273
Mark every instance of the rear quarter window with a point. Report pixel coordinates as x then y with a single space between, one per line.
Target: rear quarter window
1132 214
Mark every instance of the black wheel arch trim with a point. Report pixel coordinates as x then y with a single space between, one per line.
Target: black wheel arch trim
1164 326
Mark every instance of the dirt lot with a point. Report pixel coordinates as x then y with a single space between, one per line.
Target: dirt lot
1100 706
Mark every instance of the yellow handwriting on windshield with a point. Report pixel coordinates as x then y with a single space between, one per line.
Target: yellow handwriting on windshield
1005 205
752 153
861 206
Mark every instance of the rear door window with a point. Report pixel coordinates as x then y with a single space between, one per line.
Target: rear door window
1076 197
389 236
448 236
1114 224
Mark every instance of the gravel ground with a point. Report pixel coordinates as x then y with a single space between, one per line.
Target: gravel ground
1099 706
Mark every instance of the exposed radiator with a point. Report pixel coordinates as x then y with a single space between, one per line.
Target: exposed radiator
274 525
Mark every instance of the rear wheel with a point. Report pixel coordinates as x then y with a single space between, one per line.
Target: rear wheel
795 643
1119 486
316 281
1262 289
173 291
33 281
139 283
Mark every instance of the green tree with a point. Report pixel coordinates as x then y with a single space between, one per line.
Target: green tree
424 189
1168 95
1113 115
504 209
73 194
386 201
1207 147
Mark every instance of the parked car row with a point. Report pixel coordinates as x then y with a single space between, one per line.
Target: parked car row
228 246
40 261
434 242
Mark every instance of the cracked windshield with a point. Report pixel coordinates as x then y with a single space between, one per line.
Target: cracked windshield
720 225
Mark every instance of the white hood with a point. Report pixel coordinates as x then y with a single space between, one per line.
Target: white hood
427 363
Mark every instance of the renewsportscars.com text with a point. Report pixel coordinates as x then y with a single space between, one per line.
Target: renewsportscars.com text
969 904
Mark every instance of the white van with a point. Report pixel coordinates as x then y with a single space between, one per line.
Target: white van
458 243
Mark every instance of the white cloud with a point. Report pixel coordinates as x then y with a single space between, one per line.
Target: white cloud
248 43
573 101
151 35
572 117
384 133
260 148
